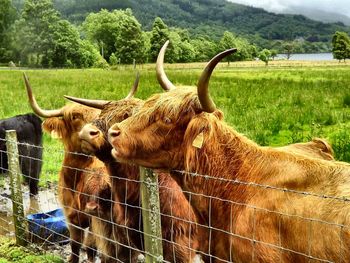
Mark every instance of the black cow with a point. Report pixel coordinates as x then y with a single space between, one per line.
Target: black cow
29 136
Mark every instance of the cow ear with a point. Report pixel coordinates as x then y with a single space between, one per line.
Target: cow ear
195 133
198 141
54 126
218 114
55 135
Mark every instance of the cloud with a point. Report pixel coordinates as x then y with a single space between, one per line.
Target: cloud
336 6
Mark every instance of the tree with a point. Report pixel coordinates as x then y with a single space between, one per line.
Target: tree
43 38
7 18
341 45
288 48
160 34
245 51
101 28
187 52
113 60
65 45
265 56
33 30
88 55
226 42
129 39
274 53
204 49
116 32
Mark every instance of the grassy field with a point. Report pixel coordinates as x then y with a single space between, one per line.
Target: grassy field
10 252
283 103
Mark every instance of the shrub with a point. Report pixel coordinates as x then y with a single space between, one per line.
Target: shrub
346 100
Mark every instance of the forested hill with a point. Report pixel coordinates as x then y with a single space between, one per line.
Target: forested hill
209 17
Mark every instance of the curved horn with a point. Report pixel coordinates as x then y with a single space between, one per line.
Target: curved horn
134 87
97 104
206 101
35 106
161 76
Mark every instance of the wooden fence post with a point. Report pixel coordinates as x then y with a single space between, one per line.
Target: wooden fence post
16 189
151 216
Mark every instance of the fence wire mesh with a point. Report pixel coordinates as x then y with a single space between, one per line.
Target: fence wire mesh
102 223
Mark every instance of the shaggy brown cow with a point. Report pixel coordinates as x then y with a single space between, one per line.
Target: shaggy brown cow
96 199
94 138
180 237
66 123
263 204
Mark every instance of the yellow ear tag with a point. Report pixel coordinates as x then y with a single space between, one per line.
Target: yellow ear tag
198 141
55 135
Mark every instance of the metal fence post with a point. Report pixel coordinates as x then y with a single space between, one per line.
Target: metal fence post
151 215
16 189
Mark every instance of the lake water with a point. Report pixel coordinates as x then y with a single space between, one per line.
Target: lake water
308 57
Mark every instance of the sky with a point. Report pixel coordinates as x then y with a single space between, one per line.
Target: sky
337 6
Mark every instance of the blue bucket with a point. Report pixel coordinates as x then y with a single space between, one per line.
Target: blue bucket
50 226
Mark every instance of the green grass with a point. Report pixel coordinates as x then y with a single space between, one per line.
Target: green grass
9 252
276 105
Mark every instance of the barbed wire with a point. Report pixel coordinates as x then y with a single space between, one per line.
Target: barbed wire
209 226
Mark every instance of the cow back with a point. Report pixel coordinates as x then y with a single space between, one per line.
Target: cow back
29 136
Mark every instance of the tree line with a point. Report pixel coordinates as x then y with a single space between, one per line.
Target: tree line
212 17
39 36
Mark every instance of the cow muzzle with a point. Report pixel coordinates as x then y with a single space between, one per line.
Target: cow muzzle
113 133
89 133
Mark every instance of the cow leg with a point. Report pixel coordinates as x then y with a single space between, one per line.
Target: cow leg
36 164
90 246
33 186
34 176
28 169
177 251
76 239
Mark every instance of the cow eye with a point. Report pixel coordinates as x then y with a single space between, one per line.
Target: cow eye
167 120
126 115
76 116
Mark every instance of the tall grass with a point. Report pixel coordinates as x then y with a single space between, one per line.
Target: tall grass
271 105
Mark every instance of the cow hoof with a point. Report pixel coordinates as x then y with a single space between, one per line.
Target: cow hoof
73 259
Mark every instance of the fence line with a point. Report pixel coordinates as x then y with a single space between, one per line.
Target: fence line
15 185
155 236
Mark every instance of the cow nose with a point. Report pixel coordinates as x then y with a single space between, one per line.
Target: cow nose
113 132
93 133
91 206
89 132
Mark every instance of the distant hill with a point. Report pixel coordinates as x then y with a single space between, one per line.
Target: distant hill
319 15
210 18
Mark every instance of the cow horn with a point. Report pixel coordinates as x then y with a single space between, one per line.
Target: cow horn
35 106
161 76
100 104
134 87
206 101
97 104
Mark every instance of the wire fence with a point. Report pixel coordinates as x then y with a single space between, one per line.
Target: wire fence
103 218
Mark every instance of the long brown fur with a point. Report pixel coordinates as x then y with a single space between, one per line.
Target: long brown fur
96 199
76 168
263 204
318 148
181 236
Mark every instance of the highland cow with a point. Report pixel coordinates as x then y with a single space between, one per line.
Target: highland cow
65 123
96 199
263 204
29 136
181 238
